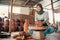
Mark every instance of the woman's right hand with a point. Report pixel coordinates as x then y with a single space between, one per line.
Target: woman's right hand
38 23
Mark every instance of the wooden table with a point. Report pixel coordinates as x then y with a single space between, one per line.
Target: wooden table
42 37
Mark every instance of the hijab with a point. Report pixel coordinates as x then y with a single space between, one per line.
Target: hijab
41 11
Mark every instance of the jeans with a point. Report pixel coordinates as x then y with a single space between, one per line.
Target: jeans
49 30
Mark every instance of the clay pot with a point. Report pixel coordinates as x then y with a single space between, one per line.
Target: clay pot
20 28
12 27
38 23
26 24
6 25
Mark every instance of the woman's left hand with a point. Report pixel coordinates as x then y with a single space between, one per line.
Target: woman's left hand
54 25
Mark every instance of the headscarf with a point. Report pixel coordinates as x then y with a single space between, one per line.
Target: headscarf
41 11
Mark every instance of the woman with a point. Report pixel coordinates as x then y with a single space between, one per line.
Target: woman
41 15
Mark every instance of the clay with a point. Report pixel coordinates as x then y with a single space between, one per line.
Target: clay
26 24
6 25
12 27
38 23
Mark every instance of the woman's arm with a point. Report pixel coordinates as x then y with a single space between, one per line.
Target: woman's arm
46 17
36 16
38 28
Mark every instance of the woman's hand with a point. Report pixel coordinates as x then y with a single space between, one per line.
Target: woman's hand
38 23
54 25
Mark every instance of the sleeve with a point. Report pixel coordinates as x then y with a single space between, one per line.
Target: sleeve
46 17
35 16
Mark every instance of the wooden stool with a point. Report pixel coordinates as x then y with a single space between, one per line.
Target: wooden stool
42 37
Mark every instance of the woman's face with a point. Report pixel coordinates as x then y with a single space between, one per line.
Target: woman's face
38 8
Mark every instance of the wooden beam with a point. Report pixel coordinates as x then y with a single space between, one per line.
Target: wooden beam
27 2
52 11
50 4
11 15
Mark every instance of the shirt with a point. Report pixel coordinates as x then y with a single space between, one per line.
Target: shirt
43 16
